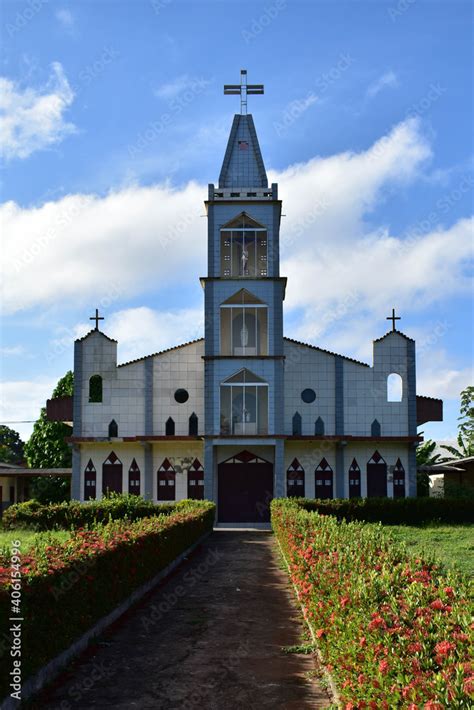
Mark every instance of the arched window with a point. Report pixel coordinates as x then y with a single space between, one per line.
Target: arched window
95 388
323 480
90 481
193 425
244 404
243 248
113 429
394 388
196 481
375 428
295 480
296 424
169 427
166 482
112 474
398 480
244 325
319 427
354 480
134 479
376 477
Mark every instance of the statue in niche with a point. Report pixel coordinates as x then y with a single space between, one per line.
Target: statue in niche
244 260
244 336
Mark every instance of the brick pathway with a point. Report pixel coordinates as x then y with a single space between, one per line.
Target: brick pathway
210 638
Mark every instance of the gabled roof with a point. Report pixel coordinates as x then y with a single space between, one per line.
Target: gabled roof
84 337
390 332
161 352
328 352
243 162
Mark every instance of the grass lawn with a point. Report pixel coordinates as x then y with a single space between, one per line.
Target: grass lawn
29 538
451 544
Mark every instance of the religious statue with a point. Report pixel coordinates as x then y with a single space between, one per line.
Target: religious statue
244 260
244 336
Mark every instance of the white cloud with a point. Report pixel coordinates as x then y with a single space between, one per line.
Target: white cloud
387 80
14 350
65 17
22 400
444 383
142 238
112 246
33 119
141 331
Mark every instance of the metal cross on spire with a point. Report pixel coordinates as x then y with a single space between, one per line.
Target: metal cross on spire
393 318
243 89
97 318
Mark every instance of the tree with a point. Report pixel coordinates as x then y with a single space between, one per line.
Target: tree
425 457
47 448
11 446
465 439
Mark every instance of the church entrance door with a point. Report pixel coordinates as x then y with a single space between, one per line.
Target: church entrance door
376 480
245 489
112 475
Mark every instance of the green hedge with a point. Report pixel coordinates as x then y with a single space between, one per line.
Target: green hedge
390 511
72 514
68 586
393 629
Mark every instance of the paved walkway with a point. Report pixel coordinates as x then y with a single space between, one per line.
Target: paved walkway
210 638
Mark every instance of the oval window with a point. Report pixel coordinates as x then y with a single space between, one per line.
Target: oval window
308 396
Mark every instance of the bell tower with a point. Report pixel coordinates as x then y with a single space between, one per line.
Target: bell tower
244 295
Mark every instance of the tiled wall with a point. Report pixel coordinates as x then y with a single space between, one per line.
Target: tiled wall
308 368
125 392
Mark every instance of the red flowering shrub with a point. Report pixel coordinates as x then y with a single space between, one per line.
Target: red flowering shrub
67 586
393 629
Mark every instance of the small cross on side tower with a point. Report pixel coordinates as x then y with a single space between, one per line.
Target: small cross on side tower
393 318
244 90
97 318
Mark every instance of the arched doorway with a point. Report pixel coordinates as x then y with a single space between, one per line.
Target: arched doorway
112 474
245 489
376 477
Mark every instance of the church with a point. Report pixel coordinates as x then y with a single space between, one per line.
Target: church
246 414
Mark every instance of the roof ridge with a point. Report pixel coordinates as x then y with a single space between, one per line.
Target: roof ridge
407 337
161 352
94 330
323 350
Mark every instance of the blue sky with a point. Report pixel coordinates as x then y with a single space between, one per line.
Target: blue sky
114 122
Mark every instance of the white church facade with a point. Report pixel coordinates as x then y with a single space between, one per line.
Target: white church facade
245 414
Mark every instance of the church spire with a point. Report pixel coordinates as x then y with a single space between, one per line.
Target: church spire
243 163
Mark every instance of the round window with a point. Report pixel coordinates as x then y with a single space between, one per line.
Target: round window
181 396
308 396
